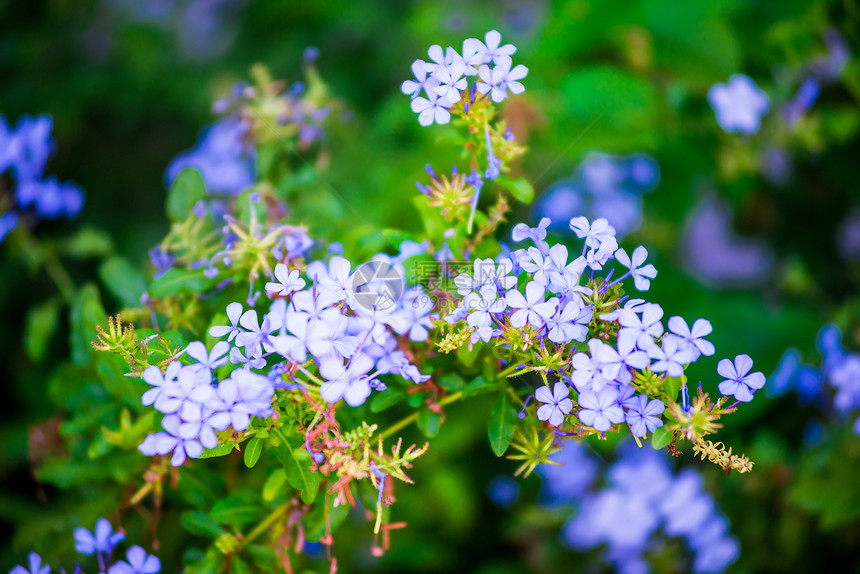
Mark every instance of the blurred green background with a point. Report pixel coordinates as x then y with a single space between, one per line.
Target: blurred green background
129 85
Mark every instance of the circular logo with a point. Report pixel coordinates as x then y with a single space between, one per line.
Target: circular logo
376 286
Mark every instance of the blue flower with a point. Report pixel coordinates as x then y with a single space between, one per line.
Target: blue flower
35 564
169 440
701 328
643 415
102 539
209 361
599 409
489 50
431 109
8 222
532 308
350 382
641 275
139 562
287 282
569 323
646 328
671 355
558 403
739 105
739 381
234 312
500 80
220 156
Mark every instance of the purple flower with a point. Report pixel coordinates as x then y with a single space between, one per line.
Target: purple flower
477 52
671 356
234 312
641 275
557 405
643 415
139 562
287 281
599 409
537 234
256 333
595 234
238 398
484 334
739 381
701 328
483 306
431 109
501 79
220 156
170 441
546 269
532 308
208 360
569 323
451 80
486 273
102 539
35 566
629 357
739 105
349 382
422 81
645 328
334 279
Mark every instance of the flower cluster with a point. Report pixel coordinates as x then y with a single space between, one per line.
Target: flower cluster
444 80
840 368
643 497
342 322
101 542
538 301
603 187
24 152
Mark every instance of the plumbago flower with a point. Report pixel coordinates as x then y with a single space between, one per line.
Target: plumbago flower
101 542
630 370
257 337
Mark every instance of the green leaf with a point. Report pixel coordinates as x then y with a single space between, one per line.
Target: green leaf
429 422
672 385
188 188
201 524
123 280
451 382
386 399
480 385
87 242
86 313
521 189
236 510
177 281
467 356
41 324
253 451
297 462
502 424
661 438
274 484
220 450
239 566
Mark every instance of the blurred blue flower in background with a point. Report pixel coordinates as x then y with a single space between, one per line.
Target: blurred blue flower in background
226 164
603 186
24 152
739 105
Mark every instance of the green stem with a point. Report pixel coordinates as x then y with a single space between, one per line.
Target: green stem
270 519
405 422
60 277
